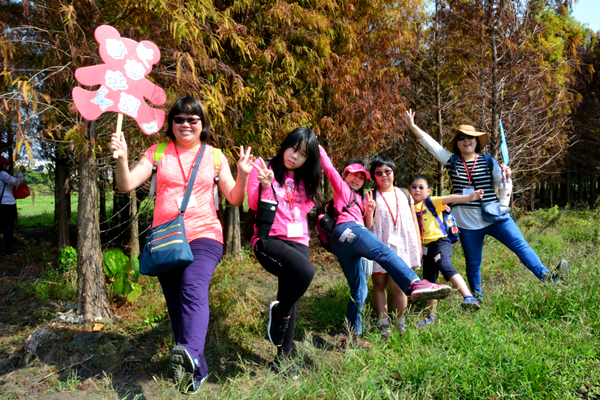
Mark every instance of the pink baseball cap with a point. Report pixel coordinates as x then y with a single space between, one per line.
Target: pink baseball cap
3 160
354 168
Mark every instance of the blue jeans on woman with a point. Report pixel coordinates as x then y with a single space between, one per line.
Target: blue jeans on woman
349 243
507 232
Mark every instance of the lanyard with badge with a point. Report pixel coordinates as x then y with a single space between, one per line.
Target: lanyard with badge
468 190
192 201
294 229
393 239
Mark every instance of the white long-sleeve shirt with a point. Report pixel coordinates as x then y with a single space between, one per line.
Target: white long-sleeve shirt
468 215
7 183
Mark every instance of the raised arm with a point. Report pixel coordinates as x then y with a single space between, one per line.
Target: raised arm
260 175
235 190
126 179
436 149
337 183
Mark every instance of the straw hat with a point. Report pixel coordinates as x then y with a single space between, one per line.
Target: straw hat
467 130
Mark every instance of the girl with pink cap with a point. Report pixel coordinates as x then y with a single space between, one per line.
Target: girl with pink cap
351 241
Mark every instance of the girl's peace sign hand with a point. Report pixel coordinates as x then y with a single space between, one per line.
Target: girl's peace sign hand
370 207
265 175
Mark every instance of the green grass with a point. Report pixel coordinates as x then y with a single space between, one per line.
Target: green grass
531 340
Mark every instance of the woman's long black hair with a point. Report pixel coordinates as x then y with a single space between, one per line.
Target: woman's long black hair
360 191
310 172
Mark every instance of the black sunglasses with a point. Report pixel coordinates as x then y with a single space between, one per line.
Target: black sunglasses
380 173
190 120
462 136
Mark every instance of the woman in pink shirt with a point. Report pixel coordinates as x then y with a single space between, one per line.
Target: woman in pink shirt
186 289
351 241
293 179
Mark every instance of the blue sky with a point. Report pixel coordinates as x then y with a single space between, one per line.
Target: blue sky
588 12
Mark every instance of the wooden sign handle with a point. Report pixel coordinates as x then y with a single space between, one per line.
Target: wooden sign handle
119 124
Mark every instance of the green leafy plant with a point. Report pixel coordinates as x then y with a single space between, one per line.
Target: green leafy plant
118 268
67 260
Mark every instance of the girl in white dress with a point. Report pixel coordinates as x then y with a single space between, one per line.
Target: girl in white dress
394 223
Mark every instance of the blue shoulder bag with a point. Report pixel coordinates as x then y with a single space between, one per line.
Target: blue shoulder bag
166 246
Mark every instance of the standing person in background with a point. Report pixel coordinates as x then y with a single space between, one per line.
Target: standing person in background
8 205
469 170
293 179
394 222
186 289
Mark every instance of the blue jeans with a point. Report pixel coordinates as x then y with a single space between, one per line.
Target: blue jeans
507 232
351 241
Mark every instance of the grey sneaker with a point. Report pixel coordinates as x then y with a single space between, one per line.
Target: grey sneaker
183 368
562 271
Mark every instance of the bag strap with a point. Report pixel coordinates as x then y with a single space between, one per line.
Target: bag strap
217 162
2 195
158 153
429 204
190 184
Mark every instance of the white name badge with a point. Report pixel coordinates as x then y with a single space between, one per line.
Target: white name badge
424 250
294 229
191 202
394 240
468 191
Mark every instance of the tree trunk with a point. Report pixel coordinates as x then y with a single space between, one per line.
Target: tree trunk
134 229
532 198
568 185
102 195
438 103
91 285
495 93
593 180
62 210
233 243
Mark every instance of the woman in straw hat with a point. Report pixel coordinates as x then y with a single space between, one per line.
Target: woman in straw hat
470 170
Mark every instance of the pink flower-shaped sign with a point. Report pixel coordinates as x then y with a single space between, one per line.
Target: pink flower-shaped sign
122 81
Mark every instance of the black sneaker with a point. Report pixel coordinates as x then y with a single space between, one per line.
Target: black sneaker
286 367
277 326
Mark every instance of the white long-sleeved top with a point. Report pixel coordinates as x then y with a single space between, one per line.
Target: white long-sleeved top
468 215
9 181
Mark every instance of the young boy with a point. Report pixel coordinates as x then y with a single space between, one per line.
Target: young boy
437 248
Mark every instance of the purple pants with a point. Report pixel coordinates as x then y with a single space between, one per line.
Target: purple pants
186 293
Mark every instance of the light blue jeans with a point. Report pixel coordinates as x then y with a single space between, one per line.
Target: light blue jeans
349 243
507 232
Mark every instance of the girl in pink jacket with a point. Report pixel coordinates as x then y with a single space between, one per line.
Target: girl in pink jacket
351 240
292 180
